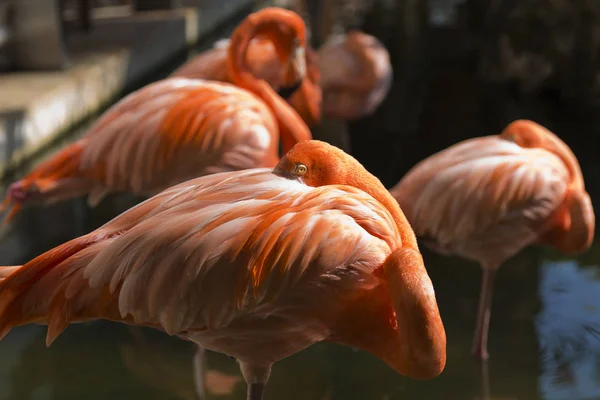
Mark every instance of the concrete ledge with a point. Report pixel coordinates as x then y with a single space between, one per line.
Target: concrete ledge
36 107
39 106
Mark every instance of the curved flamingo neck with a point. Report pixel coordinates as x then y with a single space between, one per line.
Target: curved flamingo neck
566 155
360 178
268 21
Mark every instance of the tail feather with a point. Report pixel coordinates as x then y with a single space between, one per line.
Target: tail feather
60 177
38 291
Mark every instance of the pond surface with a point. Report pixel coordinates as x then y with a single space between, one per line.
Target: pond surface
545 326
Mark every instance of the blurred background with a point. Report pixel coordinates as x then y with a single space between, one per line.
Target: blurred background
460 69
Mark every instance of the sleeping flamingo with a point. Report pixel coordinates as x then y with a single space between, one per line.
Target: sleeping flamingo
487 198
178 129
265 62
257 264
353 70
356 75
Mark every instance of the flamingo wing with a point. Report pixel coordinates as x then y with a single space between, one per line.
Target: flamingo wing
205 252
210 64
484 198
207 127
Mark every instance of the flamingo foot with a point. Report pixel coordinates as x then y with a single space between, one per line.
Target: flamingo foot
17 194
11 214
20 192
5 204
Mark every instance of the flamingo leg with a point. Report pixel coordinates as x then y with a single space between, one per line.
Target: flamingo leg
486 393
479 349
256 377
255 391
199 375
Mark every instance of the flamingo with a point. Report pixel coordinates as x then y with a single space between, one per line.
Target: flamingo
356 75
487 198
177 129
258 264
353 70
265 62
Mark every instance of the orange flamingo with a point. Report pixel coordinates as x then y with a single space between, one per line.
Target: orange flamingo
356 75
178 129
257 264
266 62
487 198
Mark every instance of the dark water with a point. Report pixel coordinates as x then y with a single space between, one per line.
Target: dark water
545 327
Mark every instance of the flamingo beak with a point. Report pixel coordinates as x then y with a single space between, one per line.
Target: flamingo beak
296 71
287 91
298 61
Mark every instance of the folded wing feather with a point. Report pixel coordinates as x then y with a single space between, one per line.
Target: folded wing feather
202 253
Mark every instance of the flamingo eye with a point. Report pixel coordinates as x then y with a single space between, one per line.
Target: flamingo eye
299 169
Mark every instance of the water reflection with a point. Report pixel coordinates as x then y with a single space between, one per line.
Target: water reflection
569 330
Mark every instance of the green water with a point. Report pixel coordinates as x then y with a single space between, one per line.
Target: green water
545 326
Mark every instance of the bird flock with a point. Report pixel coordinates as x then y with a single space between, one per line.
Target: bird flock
257 241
